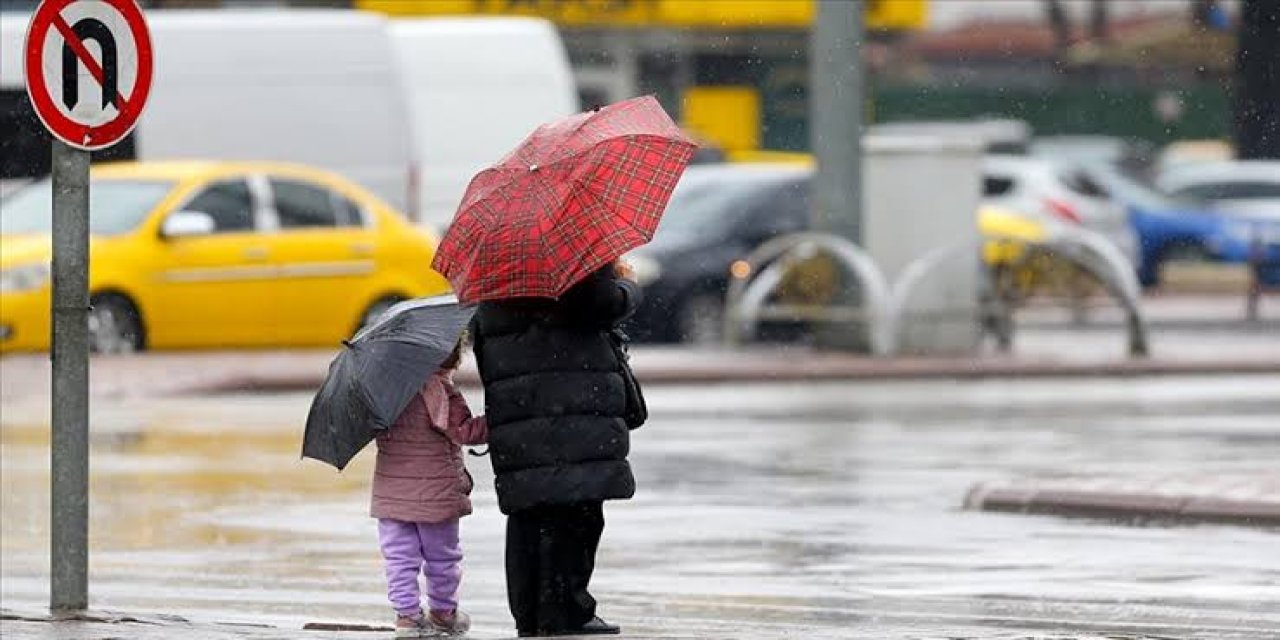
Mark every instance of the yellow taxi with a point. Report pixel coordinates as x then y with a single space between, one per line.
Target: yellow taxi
216 254
1007 234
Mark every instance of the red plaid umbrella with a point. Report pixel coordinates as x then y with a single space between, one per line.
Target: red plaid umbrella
576 194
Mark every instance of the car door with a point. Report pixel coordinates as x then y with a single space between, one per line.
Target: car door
325 252
214 289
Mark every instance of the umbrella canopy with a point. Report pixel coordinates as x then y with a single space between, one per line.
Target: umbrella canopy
576 194
374 377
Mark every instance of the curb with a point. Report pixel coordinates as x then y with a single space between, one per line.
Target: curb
831 370
1063 499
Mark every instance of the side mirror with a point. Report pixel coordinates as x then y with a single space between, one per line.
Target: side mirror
181 224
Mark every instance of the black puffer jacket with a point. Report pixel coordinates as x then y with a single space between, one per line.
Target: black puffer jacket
555 396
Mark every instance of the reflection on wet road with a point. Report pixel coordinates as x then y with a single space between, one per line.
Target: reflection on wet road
801 510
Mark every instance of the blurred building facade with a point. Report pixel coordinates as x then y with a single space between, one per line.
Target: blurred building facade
736 71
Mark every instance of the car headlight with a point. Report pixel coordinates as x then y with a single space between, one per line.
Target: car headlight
647 269
24 278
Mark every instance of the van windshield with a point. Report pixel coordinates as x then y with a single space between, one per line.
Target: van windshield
116 206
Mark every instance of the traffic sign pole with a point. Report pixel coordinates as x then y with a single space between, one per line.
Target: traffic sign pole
69 539
55 54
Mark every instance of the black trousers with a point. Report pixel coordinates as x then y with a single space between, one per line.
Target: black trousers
551 553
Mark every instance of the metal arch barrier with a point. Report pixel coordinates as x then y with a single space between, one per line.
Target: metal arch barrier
1124 285
1125 279
746 297
1118 276
916 271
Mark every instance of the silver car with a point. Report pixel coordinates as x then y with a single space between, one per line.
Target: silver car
1056 195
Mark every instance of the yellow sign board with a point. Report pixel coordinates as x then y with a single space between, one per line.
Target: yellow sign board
727 116
896 15
735 14
563 12
707 14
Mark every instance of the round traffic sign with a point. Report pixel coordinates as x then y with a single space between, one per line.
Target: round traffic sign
88 101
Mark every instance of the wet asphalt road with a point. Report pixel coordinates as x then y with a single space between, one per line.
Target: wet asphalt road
777 511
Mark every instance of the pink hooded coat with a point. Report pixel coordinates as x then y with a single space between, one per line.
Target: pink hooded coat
420 475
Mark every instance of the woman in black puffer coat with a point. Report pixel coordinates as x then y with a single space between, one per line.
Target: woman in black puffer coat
556 399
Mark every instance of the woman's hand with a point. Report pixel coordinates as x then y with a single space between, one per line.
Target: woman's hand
623 269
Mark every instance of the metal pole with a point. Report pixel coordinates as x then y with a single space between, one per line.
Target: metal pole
835 132
836 113
1257 252
69 539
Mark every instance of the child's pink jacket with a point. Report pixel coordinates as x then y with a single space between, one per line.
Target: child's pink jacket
420 475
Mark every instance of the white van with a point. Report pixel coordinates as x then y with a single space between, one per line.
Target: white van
318 87
477 87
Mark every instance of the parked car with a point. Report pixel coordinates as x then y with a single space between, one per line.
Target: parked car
282 93
717 215
1172 229
1056 195
1245 186
216 254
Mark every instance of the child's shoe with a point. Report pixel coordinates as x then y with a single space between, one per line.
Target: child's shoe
452 623
415 626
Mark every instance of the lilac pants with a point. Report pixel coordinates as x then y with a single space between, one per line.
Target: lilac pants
432 549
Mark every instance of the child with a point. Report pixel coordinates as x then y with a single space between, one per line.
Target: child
421 489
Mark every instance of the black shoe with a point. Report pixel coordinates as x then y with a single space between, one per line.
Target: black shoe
593 627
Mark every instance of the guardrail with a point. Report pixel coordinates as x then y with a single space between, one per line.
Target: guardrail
884 308
745 302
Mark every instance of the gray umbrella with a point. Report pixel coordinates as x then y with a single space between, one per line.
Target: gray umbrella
374 377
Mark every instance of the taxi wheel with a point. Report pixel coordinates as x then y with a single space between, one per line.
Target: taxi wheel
115 326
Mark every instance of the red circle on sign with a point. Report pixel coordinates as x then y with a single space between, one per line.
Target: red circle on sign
83 136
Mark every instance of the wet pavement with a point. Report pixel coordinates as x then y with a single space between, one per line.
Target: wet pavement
803 510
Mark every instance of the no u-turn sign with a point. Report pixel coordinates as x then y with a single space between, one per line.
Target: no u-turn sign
88 67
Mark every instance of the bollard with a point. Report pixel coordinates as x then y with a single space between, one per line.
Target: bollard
1256 255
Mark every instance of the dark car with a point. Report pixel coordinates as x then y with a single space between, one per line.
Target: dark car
716 217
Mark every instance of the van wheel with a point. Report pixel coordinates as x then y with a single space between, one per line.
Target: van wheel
701 320
379 307
115 326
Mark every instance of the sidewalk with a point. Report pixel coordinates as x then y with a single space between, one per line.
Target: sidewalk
1251 499
113 626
